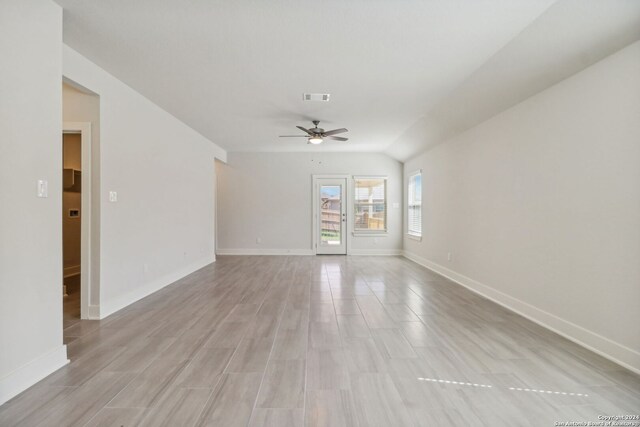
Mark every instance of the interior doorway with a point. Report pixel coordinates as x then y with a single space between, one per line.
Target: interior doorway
330 215
76 221
71 224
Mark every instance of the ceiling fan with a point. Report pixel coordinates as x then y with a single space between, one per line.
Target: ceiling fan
316 135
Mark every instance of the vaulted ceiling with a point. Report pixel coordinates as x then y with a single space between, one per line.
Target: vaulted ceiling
402 74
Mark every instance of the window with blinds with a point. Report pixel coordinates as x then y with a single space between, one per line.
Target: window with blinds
370 204
414 205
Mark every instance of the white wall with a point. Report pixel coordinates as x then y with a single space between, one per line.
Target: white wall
30 227
540 207
269 196
162 226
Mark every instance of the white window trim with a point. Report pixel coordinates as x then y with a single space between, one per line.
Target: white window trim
412 234
371 233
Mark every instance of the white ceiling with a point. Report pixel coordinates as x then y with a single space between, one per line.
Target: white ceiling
235 70
565 39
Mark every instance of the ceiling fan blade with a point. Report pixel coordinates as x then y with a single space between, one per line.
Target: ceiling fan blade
305 130
294 136
334 132
338 138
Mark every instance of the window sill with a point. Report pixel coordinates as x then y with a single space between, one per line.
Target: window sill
370 233
414 237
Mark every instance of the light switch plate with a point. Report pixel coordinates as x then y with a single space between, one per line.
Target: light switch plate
43 188
113 196
396 205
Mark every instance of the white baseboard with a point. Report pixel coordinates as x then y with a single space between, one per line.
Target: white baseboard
264 252
93 313
387 252
372 252
616 352
107 308
27 375
72 270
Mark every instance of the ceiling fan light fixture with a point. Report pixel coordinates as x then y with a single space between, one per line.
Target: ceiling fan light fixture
316 135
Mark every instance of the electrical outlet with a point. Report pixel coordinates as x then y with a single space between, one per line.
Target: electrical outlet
259 240
146 268
449 257
113 196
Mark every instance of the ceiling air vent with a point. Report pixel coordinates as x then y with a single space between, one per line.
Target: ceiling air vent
316 96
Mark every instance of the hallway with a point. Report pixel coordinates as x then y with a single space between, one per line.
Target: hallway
324 340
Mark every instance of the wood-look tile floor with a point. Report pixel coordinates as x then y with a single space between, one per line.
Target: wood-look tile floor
320 341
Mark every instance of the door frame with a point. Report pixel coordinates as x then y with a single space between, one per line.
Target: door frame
314 212
84 129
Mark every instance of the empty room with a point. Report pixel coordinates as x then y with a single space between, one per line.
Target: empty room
319 213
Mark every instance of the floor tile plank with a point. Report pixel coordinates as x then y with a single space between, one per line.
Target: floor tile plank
232 402
179 407
283 385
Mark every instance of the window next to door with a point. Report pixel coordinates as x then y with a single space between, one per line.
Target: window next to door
370 205
414 206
